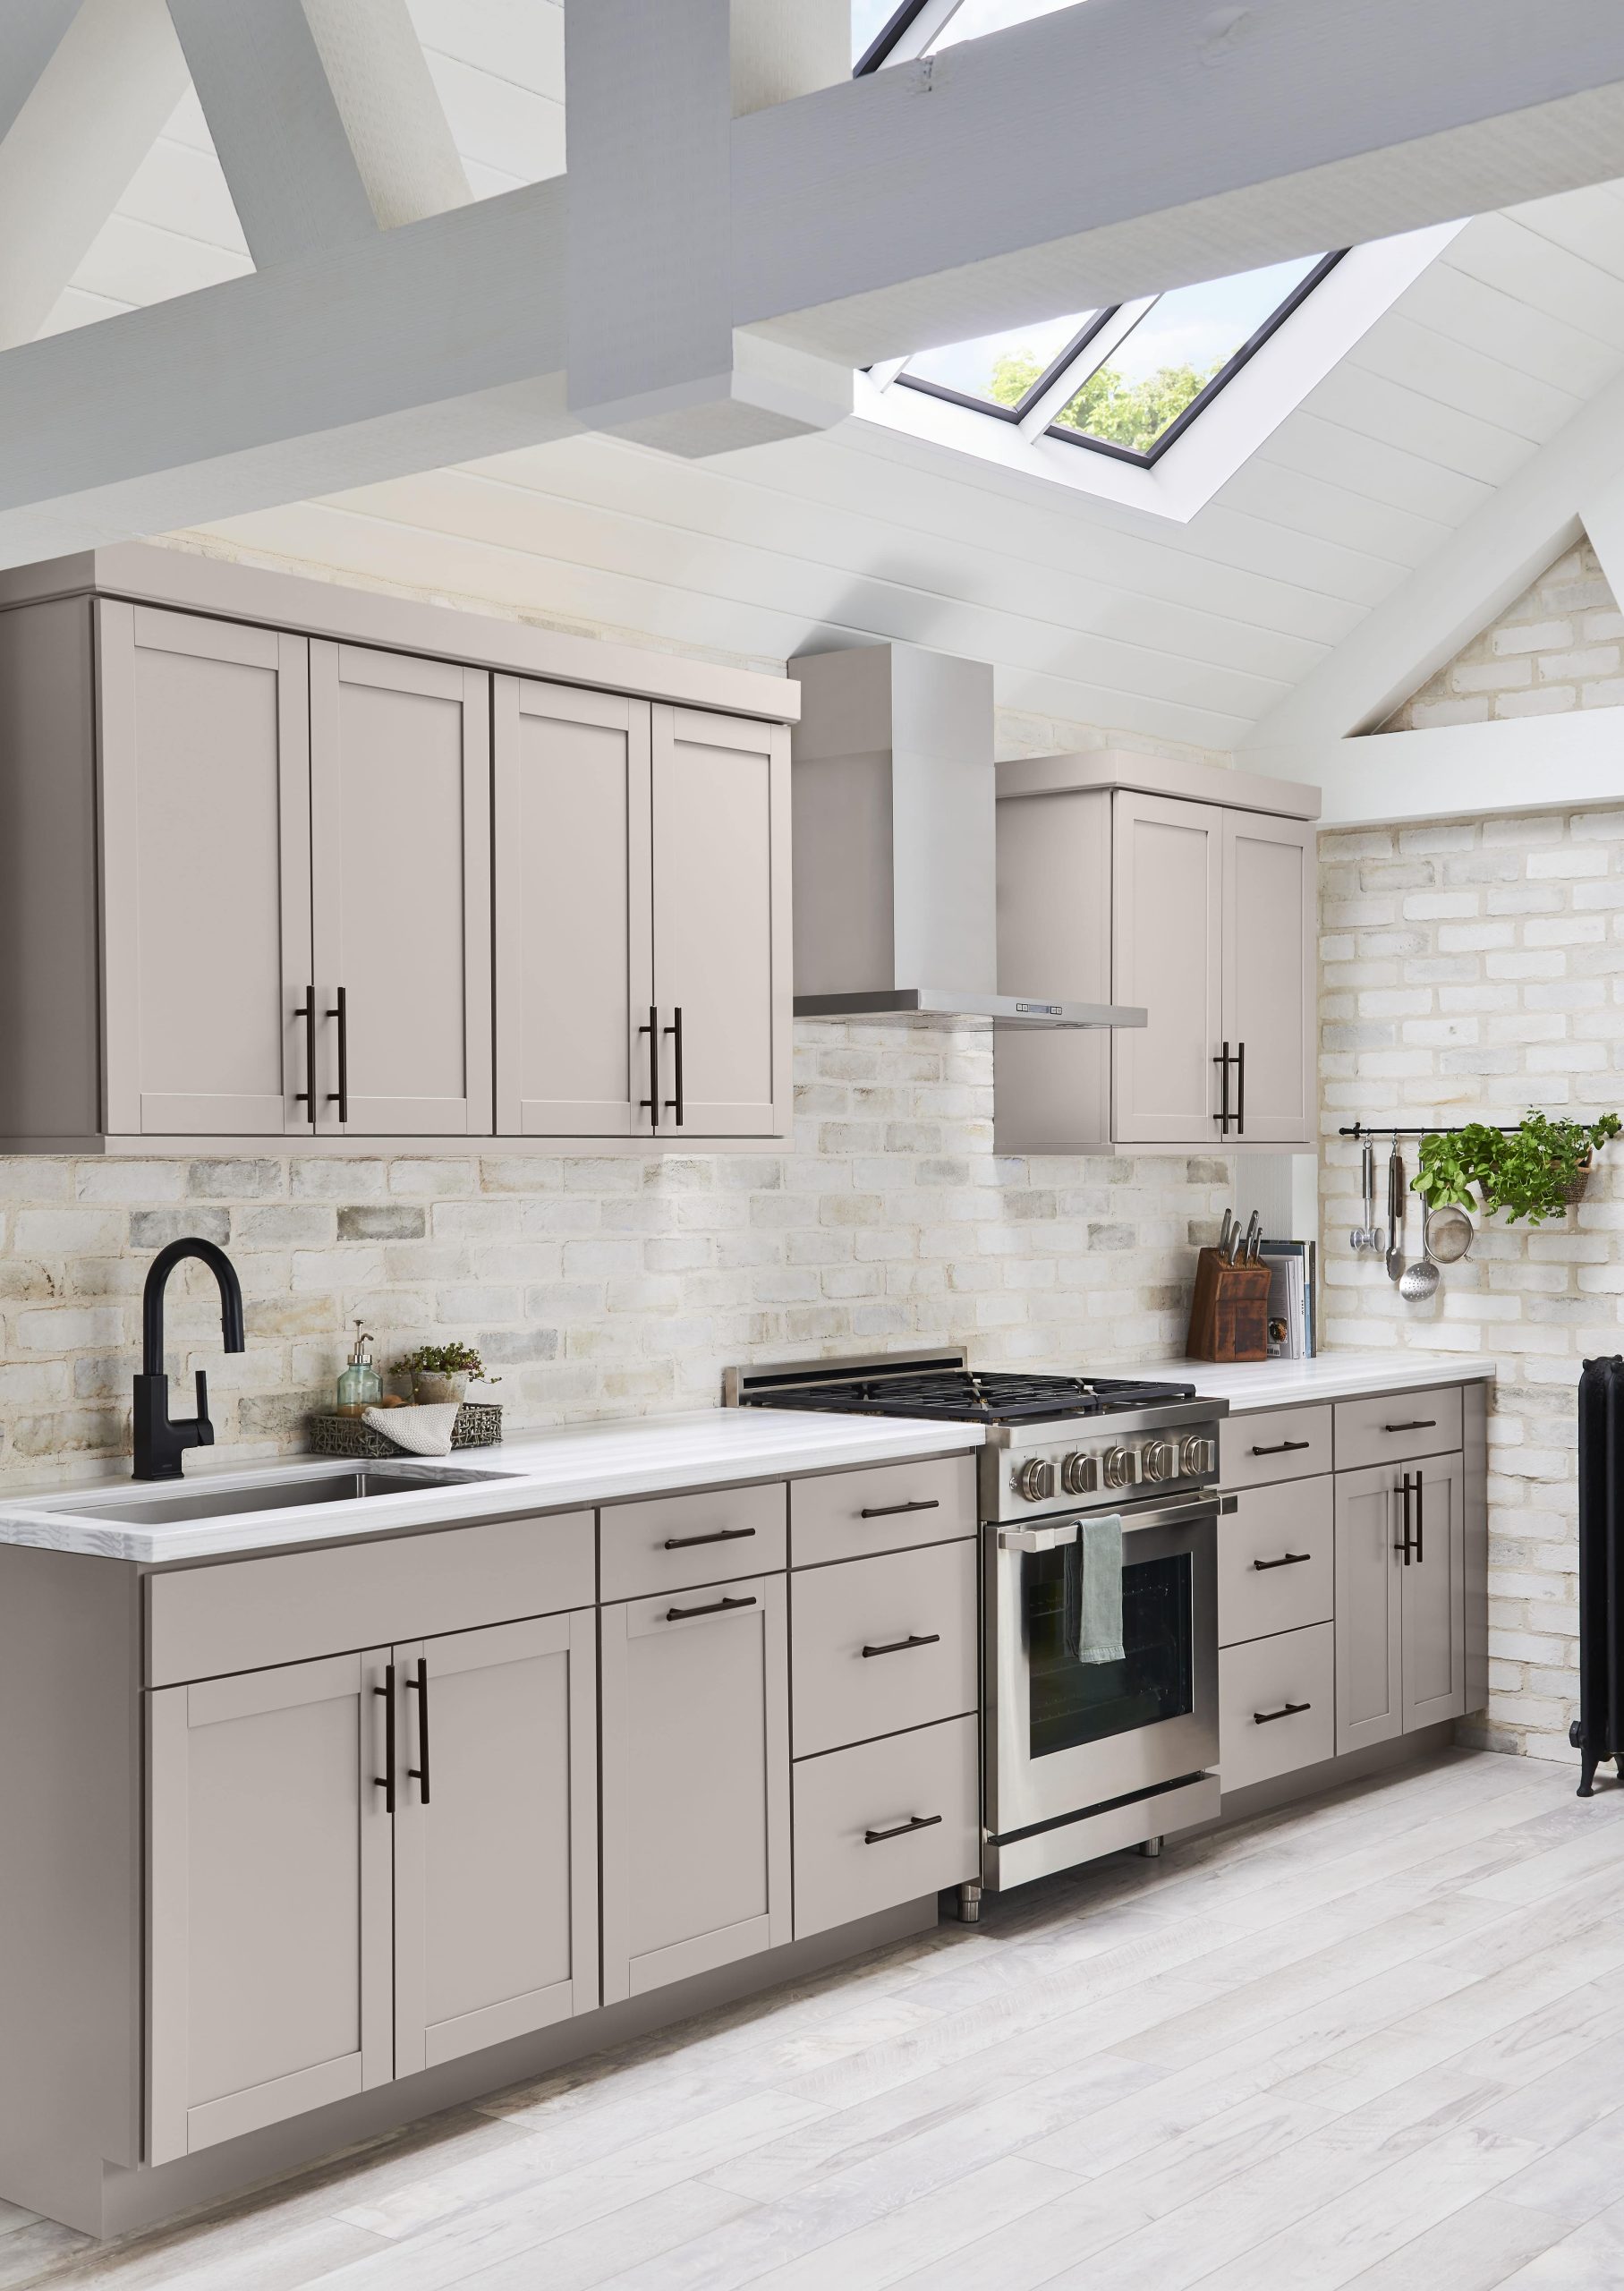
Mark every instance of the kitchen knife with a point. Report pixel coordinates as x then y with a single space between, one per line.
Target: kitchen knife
1254 1234
1224 1235
1395 1214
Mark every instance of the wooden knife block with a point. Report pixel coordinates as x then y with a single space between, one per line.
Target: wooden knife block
1229 1311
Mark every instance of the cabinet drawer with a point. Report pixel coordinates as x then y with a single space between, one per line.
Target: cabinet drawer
1395 1425
1266 1676
855 1852
881 1644
885 1507
1280 1443
670 1543
1275 1561
248 1614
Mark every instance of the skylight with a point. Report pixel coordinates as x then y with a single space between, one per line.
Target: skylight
884 33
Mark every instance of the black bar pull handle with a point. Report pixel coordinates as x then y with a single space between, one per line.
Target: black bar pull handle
1287 1711
1408 1546
385 1780
890 1511
901 1646
341 1096
1415 1423
717 1535
1291 1559
716 1606
1283 1448
307 1012
1420 1518
1240 1090
418 1686
915 1821
675 1105
1223 1116
652 1100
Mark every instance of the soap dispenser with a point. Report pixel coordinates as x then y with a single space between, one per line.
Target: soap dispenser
360 1386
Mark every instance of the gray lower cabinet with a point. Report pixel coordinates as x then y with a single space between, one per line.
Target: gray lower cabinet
694 1716
496 1836
885 1822
1400 1605
268 1948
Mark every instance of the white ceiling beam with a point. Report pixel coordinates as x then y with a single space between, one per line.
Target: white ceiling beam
325 122
1524 763
649 96
435 343
1113 148
84 92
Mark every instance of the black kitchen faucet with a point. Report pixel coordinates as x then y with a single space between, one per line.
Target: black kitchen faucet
160 1445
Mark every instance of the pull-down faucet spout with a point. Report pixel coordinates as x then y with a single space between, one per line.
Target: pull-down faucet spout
159 1444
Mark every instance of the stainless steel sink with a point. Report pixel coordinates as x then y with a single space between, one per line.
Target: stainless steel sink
163 1505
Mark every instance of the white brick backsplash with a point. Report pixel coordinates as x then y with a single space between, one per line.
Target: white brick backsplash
1539 976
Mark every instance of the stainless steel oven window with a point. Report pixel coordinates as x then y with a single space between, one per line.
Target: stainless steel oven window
1070 1702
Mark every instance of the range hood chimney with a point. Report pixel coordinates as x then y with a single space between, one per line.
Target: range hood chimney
894 802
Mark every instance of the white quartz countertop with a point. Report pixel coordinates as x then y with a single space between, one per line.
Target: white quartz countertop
1250 1384
544 1471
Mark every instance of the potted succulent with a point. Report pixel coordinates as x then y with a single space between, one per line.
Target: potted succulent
1535 1170
441 1372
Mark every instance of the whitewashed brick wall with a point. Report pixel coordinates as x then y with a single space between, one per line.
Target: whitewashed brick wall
599 1285
1470 970
1558 648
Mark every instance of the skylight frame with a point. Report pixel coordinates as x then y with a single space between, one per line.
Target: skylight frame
1058 366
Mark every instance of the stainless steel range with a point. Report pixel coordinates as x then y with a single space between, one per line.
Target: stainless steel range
1080 1756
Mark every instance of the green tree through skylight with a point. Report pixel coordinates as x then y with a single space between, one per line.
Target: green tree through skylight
1110 405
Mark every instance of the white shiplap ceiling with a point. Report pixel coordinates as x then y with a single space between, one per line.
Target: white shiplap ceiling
1091 613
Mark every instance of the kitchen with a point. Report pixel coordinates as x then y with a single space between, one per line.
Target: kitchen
806 1055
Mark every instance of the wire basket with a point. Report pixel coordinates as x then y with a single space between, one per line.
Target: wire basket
479 1425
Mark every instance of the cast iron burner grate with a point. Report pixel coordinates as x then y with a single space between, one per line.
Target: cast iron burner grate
961 1396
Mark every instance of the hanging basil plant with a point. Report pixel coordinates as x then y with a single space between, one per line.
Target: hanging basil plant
1532 1172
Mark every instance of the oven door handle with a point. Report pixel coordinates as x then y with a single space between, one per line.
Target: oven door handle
1049 1538
1048 1535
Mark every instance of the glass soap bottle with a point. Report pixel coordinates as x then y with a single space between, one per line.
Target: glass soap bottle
360 1385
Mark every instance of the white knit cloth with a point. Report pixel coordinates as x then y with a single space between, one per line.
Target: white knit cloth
420 1431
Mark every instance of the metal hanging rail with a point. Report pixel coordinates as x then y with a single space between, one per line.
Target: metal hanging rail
1437 1129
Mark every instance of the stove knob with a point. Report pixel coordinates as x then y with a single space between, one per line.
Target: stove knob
1121 1467
1080 1475
1198 1456
1161 1460
1034 1479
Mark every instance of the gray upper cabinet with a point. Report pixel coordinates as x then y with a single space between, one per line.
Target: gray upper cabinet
1182 888
268 1921
205 797
272 866
722 945
575 911
696 1782
400 812
496 1836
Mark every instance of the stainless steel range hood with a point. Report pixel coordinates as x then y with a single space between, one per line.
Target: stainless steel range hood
896 871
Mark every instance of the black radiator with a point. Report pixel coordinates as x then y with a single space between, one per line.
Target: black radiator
1598 1732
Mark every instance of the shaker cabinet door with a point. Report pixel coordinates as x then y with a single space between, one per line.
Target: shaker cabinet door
721 925
1432 1594
1167 954
1369 1621
400 779
496 1836
1270 894
695 1720
573 912
205 801
268 1899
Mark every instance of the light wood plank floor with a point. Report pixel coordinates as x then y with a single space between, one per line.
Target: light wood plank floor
1377 2041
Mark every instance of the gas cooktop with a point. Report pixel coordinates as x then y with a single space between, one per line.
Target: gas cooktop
960 1395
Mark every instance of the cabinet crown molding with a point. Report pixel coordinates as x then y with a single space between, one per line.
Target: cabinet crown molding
1107 769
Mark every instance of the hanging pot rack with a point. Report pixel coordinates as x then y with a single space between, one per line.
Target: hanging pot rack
1435 1129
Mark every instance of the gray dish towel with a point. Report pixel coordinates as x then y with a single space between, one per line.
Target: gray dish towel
1092 1592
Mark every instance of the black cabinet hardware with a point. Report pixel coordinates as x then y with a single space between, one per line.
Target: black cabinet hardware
340 1097
1406 1487
1240 1089
675 1105
915 1821
652 1100
716 1606
889 1511
385 1780
307 1012
1288 1710
1283 1448
418 1686
1415 1423
717 1535
1292 1559
1420 1519
1223 1116
901 1646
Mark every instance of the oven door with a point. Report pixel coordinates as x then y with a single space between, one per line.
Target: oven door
1063 1736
